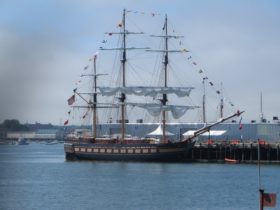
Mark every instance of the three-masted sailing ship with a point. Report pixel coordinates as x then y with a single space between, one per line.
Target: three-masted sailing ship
123 148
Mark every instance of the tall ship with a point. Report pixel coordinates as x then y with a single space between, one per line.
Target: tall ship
120 146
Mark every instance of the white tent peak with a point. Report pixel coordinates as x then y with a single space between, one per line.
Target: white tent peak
159 132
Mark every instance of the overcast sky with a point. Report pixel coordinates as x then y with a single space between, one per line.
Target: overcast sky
44 46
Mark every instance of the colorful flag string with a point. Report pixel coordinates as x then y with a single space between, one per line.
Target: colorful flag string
189 58
202 73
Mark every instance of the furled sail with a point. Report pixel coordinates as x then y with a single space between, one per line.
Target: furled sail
155 109
146 91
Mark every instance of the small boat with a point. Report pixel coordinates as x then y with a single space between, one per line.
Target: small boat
21 141
228 160
52 142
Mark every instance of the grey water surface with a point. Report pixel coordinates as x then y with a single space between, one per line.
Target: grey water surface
37 176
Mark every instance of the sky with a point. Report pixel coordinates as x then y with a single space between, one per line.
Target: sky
44 46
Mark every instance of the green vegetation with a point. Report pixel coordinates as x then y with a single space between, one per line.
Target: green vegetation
13 125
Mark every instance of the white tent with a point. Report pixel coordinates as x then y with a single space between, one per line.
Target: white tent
211 133
159 132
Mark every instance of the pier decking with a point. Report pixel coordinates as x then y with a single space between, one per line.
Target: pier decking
242 152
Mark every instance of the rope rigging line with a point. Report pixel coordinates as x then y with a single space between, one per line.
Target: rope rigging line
189 58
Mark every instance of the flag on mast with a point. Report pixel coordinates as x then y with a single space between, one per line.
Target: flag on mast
71 100
269 199
240 124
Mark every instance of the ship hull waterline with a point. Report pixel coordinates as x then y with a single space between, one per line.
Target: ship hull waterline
169 152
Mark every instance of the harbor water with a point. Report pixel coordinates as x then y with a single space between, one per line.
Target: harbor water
37 176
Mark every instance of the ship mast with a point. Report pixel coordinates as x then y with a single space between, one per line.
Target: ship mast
204 101
123 97
124 48
222 103
94 130
92 104
165 51
261 109
164 96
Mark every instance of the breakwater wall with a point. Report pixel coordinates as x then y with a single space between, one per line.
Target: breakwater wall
245 152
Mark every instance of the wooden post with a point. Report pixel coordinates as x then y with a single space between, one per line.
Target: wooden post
251 152
234 151
193 153
220 151
277 151
230 151
242 155
225 151
268 152
259 166
261 198
200 152
208 152
216 152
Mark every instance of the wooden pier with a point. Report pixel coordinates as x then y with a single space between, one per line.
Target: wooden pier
239 152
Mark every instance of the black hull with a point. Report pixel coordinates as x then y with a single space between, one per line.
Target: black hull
132 152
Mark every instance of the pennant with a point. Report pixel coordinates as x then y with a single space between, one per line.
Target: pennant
269 199
71 100
240 124
84 116
66 122
211 83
